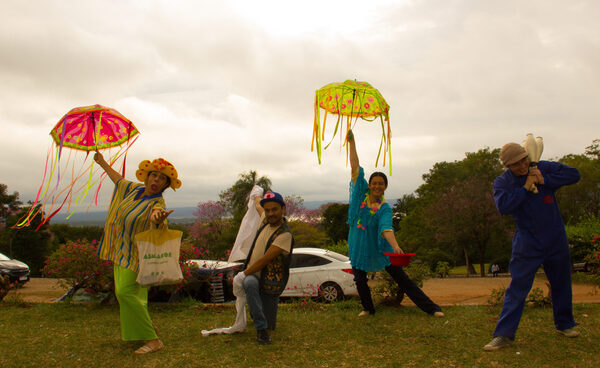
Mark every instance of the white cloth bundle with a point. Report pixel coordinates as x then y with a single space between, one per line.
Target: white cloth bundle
240 319
241 247
248 228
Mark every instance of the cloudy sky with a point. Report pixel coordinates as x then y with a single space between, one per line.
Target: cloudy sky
223 87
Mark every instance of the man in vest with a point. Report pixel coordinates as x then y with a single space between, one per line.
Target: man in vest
540 239
267 267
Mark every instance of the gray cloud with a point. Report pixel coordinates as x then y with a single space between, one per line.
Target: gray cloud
221 88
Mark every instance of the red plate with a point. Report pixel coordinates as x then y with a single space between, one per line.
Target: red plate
400 259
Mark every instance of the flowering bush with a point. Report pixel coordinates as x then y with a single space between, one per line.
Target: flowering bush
188 252
593 256
593 259
77 264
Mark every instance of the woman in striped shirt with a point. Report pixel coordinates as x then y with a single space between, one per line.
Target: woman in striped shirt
134 208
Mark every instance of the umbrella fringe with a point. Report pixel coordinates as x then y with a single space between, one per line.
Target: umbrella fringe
337 125
389 145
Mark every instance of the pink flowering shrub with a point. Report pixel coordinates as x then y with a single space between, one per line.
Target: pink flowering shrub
593 259
295 211
584 240
77 263
187 252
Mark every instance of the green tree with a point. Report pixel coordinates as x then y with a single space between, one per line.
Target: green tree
334 220
235 199
403 206
453 211
306 235
27 244
62 233
580 237
212 231
9 203
582 200
465 217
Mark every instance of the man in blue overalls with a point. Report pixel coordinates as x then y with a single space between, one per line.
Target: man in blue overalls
540 239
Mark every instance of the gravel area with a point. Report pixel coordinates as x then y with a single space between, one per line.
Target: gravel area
445 292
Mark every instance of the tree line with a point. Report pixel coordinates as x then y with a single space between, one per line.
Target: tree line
451 217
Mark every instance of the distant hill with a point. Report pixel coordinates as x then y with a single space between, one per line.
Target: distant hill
97 218
180 215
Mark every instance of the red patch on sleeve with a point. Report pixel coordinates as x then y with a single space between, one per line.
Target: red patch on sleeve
548 199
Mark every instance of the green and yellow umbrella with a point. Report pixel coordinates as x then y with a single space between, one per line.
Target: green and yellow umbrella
351 99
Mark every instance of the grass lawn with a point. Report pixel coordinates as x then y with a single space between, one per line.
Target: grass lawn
311 335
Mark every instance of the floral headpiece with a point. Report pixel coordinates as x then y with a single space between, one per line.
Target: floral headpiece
162 166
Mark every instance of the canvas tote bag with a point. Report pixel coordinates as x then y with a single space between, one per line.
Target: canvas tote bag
158 251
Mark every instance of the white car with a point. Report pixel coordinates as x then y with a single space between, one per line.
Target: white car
316 272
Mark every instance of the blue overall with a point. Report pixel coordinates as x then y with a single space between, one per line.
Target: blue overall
540 239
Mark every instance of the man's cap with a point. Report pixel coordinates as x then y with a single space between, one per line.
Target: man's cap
511 153
272 197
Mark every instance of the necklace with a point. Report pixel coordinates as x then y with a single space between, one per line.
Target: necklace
372 210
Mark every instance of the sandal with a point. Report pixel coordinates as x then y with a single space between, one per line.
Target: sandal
150 348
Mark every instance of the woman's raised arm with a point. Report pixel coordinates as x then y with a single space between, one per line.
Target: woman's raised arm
354 163
112 173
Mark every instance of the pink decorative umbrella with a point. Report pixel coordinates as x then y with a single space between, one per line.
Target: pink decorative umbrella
91 128
87 128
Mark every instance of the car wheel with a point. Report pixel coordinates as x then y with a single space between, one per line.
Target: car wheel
330 292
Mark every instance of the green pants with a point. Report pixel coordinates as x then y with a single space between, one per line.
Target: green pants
133 306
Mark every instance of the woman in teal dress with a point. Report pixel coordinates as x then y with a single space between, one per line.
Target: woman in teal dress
371 235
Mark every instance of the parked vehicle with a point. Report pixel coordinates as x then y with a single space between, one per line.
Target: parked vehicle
316 272
15 270
584 267
210 282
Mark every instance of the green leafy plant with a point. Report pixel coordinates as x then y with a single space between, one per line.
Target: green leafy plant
389 291
537 299
496 297
442 269
340 247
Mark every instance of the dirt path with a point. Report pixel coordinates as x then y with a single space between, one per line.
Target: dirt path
448 291
477 290
39 290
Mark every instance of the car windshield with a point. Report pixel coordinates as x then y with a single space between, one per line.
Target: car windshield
3 257
337 256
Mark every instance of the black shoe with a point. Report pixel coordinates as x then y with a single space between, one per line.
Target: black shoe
263 337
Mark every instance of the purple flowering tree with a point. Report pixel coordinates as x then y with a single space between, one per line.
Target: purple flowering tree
209 225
